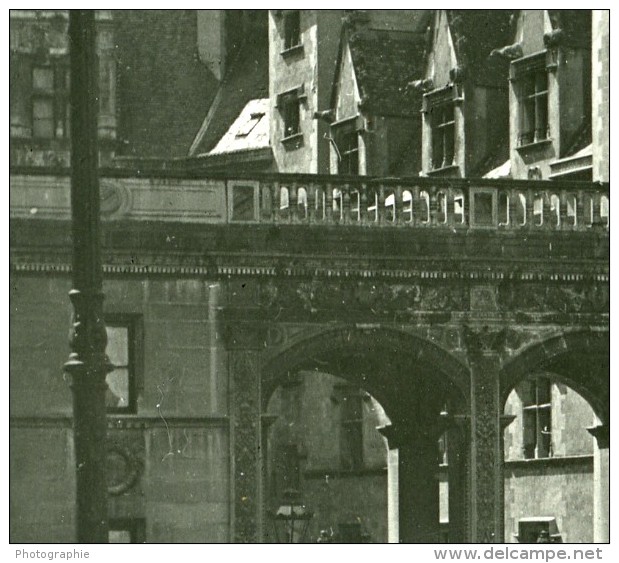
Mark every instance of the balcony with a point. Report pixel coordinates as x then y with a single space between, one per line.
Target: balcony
423 203
282 199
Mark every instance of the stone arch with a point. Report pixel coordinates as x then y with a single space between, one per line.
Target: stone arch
413 379
580 359
377 358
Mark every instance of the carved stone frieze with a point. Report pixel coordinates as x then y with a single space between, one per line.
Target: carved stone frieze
543 297
378 298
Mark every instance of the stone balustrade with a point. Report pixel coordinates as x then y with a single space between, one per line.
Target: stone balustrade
450 203
423 203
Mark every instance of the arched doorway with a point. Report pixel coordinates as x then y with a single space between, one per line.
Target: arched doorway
422 389
556 448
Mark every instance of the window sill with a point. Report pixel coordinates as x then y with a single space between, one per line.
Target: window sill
534 146
292 50
445 171
293 141
544 461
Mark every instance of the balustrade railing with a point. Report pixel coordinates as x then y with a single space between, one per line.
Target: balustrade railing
502 205
291 199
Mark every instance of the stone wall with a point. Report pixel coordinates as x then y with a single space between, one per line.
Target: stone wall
177 441
601 91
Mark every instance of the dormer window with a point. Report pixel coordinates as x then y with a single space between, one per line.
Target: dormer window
443 134
292 29
441 115
531 84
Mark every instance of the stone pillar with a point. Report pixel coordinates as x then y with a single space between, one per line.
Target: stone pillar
601 483
418 487
245 341
393 528
486 467
457 464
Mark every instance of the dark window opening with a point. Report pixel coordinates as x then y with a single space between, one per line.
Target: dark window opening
533 103
443 134
348 147
537 418
292 29
291 115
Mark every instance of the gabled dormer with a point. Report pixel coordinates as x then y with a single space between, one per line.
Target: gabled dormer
550 94
374 112
465 111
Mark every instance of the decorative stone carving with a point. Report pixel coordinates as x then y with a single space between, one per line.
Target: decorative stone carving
583 297
244 366
486 428
123 469
483 341
382 299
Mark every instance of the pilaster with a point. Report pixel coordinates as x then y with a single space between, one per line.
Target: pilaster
244 341
486 471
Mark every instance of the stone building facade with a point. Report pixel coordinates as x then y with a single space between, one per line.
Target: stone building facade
227 324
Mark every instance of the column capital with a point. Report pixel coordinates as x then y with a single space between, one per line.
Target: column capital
601 433
483 341
418 433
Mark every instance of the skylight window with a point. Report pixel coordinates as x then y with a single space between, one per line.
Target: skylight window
250 124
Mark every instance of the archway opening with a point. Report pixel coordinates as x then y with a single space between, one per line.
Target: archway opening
555 441
323 402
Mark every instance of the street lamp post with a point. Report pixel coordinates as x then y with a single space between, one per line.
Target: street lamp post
87 364
291 519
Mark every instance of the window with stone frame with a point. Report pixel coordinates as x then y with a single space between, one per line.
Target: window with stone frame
123 351
348 147
289 106
351 429
443 134
440 116
292 29
50 101
536 396
530 78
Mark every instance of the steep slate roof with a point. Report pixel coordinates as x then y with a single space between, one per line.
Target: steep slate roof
385 62
475 33
249 131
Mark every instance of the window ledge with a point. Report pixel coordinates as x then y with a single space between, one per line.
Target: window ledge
444 170
291 139
292 50
535 145
555 460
